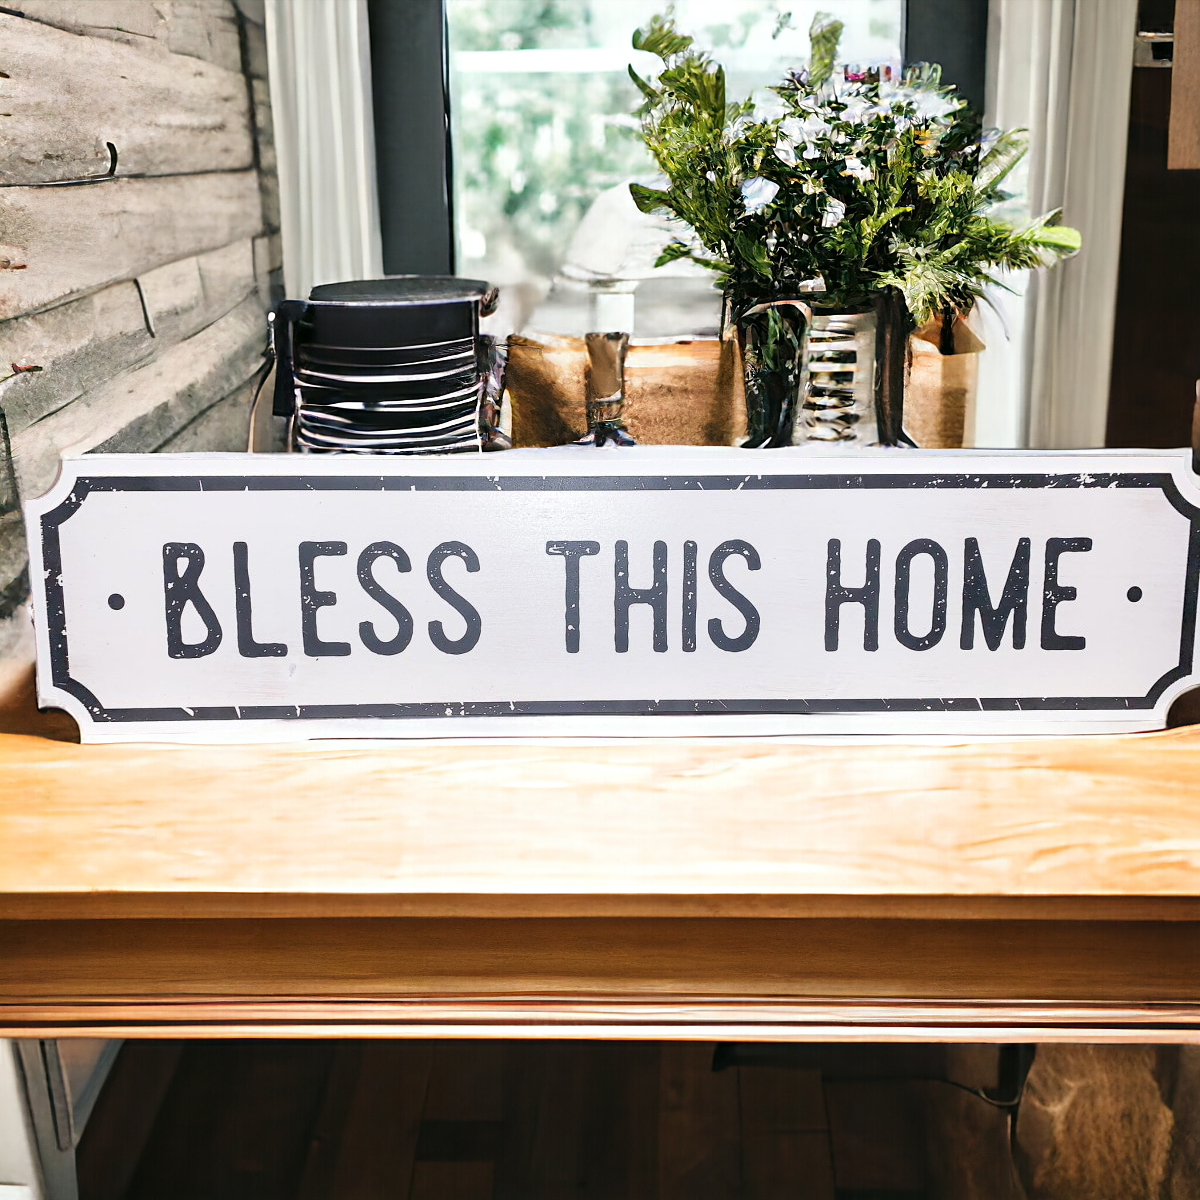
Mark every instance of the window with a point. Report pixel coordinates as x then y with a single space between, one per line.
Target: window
544 136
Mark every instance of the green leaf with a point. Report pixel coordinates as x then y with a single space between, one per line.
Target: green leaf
672 252
1060 238
1004 154
649 200
872 225
716 92
824 34
754 253
712 264
651 93
700 84
661 37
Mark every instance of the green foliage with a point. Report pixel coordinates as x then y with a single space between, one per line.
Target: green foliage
856 187
824 34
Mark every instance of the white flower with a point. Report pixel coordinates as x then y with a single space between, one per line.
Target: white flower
736 128
835 210
854 104
711 176
858 169
933 107
785 152
896 93
858 110
927 105
805 132
757 193
769 108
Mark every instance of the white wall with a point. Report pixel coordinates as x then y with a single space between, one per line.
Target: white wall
19 1174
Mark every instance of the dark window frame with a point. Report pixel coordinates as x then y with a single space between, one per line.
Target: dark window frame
953 33
410 87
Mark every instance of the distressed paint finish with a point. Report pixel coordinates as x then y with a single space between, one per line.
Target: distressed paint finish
654 593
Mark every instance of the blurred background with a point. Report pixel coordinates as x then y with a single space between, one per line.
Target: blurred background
542 126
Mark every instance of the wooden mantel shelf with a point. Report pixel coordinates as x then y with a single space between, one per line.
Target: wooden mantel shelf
720 827
607 889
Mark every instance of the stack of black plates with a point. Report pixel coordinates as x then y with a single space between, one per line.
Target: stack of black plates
382 366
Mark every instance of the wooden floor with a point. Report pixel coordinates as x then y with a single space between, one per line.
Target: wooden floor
494 1120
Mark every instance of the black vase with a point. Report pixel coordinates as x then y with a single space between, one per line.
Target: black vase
773 335
893 327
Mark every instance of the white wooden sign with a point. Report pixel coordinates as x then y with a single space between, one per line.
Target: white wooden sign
636 591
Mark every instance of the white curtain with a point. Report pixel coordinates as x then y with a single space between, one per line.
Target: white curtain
319 62
1062 70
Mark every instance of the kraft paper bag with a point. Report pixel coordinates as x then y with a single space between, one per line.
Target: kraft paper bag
939 397
685 392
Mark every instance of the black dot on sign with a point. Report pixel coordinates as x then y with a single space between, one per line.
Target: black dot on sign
116 602
1134 594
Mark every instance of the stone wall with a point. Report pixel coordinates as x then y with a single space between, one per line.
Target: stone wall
143 298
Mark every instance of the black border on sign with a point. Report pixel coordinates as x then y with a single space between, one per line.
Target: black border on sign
51 523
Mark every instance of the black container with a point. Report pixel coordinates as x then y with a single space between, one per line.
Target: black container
382 365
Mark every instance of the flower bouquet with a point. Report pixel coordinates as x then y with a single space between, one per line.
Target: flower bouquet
858 193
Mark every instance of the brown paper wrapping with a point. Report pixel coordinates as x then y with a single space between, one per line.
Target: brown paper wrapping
939 397
686 393
692 393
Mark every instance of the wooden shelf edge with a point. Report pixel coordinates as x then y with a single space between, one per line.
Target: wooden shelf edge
165 905
667 1018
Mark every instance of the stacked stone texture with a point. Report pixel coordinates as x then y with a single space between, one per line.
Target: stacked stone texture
143 299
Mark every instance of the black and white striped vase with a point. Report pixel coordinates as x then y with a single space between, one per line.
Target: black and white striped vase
383 366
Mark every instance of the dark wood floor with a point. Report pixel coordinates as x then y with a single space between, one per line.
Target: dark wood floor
491 1120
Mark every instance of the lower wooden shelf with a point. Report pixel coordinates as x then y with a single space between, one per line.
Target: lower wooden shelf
714 888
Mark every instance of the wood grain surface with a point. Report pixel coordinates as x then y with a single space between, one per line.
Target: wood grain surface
207 29
645 959
684 888
85 343
1183 153
67 95
74 240
79 345
717 820
148 404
